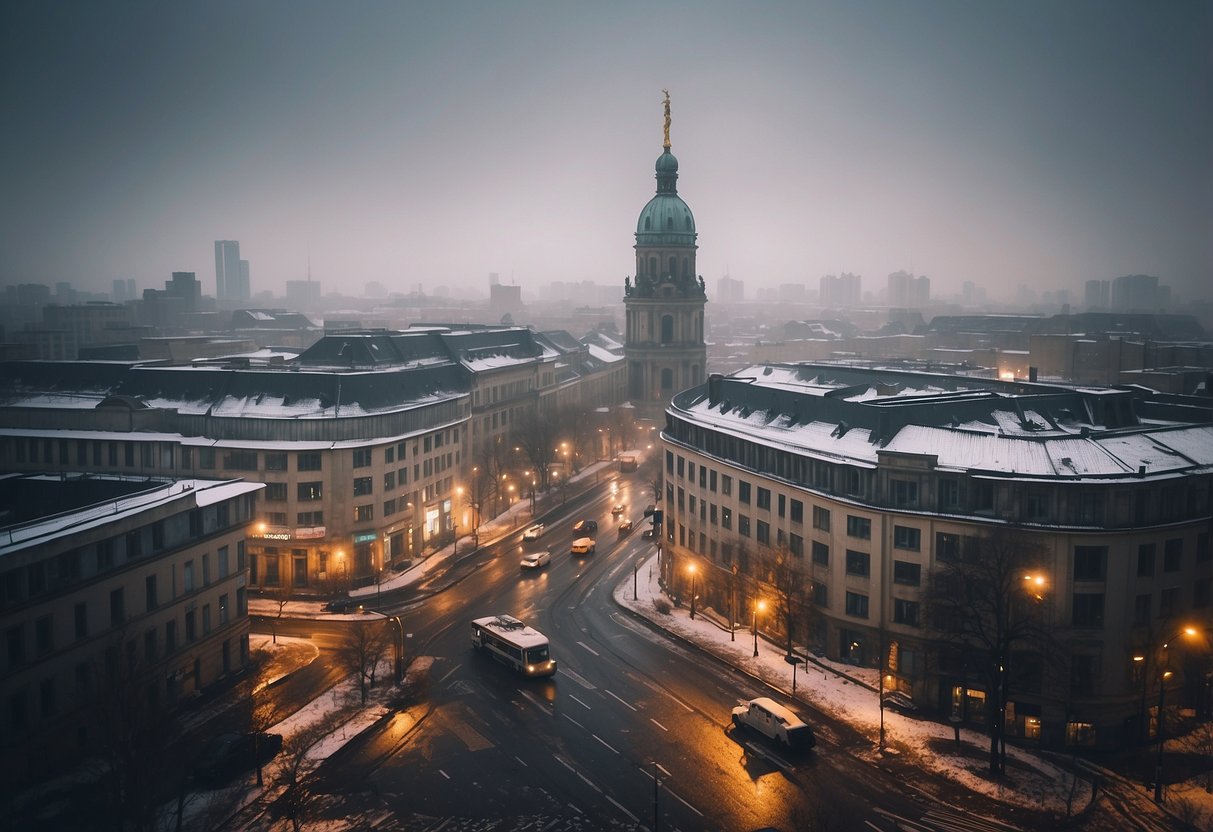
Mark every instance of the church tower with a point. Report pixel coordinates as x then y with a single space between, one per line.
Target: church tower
664 345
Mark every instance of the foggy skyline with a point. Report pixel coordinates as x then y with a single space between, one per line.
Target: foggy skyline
1036 143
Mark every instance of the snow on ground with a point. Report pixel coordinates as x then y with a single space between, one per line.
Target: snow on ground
849 693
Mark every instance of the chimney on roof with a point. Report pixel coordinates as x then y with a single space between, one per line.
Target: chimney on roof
714 380
1032 374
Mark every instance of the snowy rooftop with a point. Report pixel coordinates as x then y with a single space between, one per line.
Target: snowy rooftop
1008 429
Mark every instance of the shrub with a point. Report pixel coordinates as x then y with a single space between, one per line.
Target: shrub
662 606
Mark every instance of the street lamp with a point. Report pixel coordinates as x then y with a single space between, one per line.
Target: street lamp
1163 675
395 619
758 607
691 569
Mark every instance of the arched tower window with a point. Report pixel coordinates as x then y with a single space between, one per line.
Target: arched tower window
673 266
667 329
686 267
652 267
667 379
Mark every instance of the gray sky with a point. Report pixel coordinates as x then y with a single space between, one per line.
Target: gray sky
1032 142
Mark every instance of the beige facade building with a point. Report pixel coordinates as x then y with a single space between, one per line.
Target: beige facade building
362 442
850 490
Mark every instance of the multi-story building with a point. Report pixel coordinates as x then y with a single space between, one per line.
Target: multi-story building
117 590
868 483
361 441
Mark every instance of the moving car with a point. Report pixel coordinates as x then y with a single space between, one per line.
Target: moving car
534 532
339 605
227 755
534 560
769 718
585 528
617 509
583 546
625 527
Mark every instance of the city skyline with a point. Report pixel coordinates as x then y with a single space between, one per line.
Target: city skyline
1038 144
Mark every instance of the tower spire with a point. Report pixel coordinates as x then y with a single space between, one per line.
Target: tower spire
667 119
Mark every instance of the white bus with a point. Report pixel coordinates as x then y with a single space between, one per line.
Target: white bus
514 644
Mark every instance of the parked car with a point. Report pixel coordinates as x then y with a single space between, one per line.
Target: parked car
769 718
648 534
583 546
228 755
534 560
534 532
617 509
401 565
339 605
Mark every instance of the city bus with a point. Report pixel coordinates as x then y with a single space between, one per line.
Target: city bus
514 644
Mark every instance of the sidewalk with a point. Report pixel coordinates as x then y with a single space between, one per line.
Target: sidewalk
849 693
518 516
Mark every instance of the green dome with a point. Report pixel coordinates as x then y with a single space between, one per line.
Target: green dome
667 162
666 219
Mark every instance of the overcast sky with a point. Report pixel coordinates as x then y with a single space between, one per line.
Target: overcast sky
1042 143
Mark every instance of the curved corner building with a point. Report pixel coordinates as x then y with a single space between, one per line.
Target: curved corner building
866 480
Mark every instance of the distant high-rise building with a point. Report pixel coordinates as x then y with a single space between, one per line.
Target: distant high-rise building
843 290
227 269
494 279
242 287
119 294
908 291
1097 294
729 290
1138 293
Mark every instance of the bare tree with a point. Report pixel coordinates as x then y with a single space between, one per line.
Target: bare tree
535 436
787 584
652 478
295 772
363 645
281 596
978 604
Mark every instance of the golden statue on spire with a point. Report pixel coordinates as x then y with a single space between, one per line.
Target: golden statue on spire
667 119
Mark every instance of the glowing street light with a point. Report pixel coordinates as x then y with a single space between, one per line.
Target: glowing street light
759 606
691 569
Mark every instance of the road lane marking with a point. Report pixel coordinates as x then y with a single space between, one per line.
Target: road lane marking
664 770
588 647
530 697
575 722
604 742
589 782
617 699
519 759
679 701
620 808
563 763
658 724
444 774
578 678
579 702
449 672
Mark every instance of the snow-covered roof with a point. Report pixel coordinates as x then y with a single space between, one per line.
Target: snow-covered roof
1002 428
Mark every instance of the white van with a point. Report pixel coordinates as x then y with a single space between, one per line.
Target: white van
768 717
583 546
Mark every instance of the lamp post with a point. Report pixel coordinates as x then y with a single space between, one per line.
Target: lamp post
399 625
758 607
691 569
1163 675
